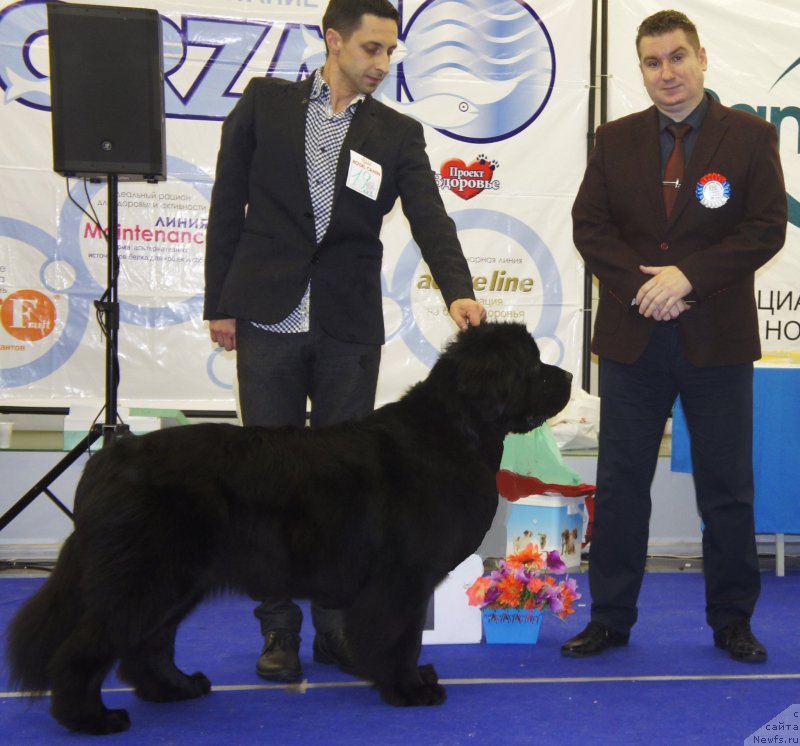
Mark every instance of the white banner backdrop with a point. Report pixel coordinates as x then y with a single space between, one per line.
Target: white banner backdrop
501 86
753 64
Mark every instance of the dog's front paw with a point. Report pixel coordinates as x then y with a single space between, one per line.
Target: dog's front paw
428 674
201 683
426 695
423 694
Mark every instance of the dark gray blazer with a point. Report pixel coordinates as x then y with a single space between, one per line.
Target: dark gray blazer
261 246
619 222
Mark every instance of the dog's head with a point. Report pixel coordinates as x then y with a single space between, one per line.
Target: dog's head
498 373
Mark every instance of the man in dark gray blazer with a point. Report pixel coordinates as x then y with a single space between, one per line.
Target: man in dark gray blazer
306 173
675 252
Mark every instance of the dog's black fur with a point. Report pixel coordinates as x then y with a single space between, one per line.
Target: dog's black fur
369 515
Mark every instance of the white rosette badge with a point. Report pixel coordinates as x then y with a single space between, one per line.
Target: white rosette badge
713 191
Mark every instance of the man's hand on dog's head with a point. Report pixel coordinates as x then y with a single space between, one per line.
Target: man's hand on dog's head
467 312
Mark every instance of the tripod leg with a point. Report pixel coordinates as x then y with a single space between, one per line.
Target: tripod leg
49 478
109 307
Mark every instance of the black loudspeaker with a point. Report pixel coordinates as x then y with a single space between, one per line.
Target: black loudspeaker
107 91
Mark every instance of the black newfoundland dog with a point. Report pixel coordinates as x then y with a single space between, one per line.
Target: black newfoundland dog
356 516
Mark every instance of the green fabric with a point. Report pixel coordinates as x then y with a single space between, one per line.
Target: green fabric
536 454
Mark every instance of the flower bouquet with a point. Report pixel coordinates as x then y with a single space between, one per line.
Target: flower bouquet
516 593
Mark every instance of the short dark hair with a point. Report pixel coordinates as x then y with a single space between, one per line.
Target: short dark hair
665 21
345 15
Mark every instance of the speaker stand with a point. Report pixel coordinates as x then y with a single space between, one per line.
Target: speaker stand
108 309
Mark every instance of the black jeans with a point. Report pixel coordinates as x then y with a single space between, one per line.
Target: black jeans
636 401
278 374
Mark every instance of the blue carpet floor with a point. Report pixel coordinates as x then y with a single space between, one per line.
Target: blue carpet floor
669 686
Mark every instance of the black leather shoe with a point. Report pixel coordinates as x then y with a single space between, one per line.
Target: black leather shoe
332 648
593 640
279 660
740 642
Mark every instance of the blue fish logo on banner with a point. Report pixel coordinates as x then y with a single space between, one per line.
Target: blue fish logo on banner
490 79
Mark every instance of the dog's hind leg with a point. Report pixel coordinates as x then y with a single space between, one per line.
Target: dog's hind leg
150 667
77 671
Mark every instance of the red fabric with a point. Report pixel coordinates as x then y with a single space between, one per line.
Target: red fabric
514 486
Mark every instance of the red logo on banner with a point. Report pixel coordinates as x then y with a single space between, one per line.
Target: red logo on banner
28 315
468 180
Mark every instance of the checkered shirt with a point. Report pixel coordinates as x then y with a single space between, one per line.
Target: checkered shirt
325 133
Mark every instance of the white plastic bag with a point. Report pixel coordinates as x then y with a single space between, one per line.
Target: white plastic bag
577 426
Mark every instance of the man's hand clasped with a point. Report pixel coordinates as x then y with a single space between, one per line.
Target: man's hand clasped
662 296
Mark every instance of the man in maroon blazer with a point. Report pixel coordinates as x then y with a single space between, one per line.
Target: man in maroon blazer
675 252
305 175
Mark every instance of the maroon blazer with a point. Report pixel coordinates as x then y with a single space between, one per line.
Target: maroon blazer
619 222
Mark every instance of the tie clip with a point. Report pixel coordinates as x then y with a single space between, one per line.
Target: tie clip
676 183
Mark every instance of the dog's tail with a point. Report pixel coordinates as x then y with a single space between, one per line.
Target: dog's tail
44 621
